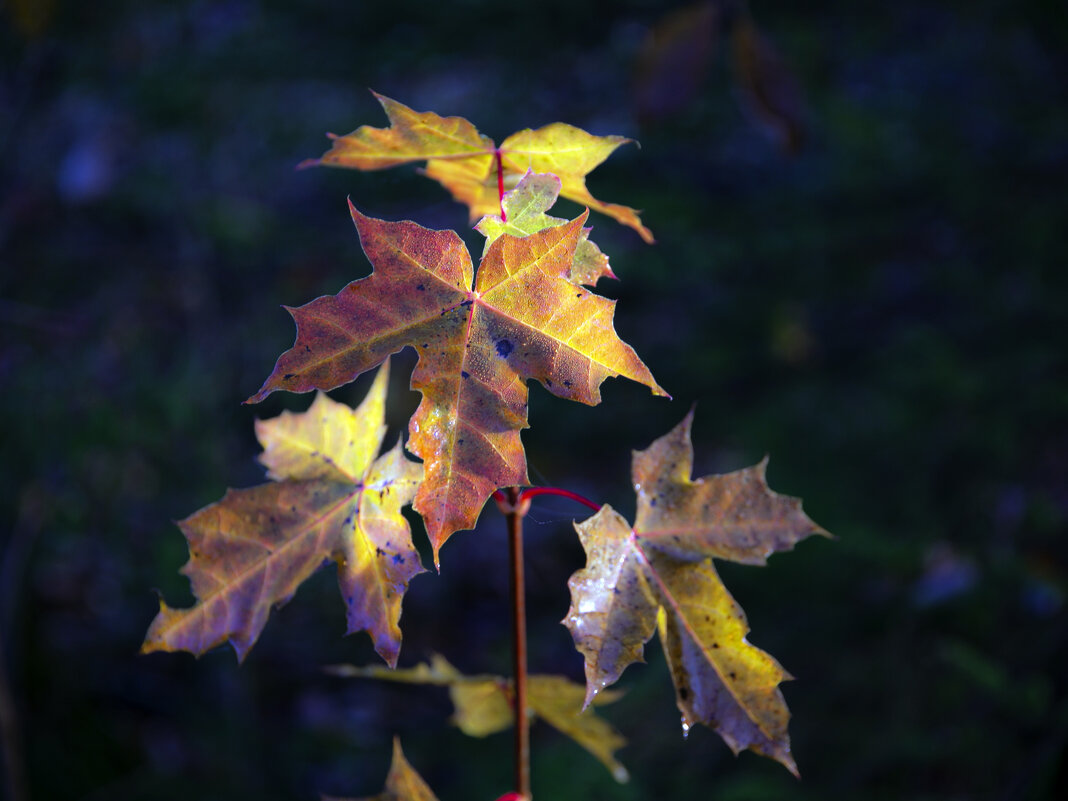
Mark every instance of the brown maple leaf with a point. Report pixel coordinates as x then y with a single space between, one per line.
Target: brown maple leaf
479 339
659 574
331 500
465 162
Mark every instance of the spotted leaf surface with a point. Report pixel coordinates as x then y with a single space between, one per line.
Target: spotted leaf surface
465 162
658 575
478 338
331 500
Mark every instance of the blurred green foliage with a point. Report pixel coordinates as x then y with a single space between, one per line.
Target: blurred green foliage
883 312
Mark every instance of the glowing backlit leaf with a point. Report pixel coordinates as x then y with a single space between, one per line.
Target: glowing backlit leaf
479 339
330 500
661 572
484 704
525 208
465 162
571 154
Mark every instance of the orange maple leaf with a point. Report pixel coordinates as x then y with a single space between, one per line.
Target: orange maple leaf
479 339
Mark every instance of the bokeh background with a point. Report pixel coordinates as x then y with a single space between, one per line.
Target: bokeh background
861 223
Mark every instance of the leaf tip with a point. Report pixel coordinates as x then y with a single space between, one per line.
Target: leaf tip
263 392
787 761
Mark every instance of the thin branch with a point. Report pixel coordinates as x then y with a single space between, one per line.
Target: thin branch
514 519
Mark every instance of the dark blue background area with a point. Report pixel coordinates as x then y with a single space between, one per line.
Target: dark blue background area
859 271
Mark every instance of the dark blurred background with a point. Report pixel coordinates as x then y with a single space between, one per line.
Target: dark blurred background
859 270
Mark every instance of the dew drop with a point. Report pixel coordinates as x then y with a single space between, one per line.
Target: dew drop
685 729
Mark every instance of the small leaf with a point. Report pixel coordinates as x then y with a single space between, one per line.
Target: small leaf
525 208
659 575
412 136
484 705
402 782
464 161
559 702
569 153
331 501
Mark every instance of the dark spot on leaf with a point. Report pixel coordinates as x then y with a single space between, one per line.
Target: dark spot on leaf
398 559
420 287
733 675
652 502
288 376
379 552
548 382
715 645
504 347
465 374
459 442
684 693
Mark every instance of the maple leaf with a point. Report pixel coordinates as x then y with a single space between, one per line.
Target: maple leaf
659 574
525 208
478 338
484 704
465 162
330 500
403 783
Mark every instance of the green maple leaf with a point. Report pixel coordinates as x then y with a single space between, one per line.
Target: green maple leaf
525 208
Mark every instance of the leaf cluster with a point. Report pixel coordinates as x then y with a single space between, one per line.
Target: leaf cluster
526 313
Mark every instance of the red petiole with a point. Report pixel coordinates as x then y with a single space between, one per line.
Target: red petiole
533 492
500 184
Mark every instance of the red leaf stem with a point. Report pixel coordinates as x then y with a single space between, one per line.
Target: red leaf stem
563 493
500 184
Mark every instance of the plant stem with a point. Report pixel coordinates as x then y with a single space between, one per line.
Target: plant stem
514 518
500 184
514 505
